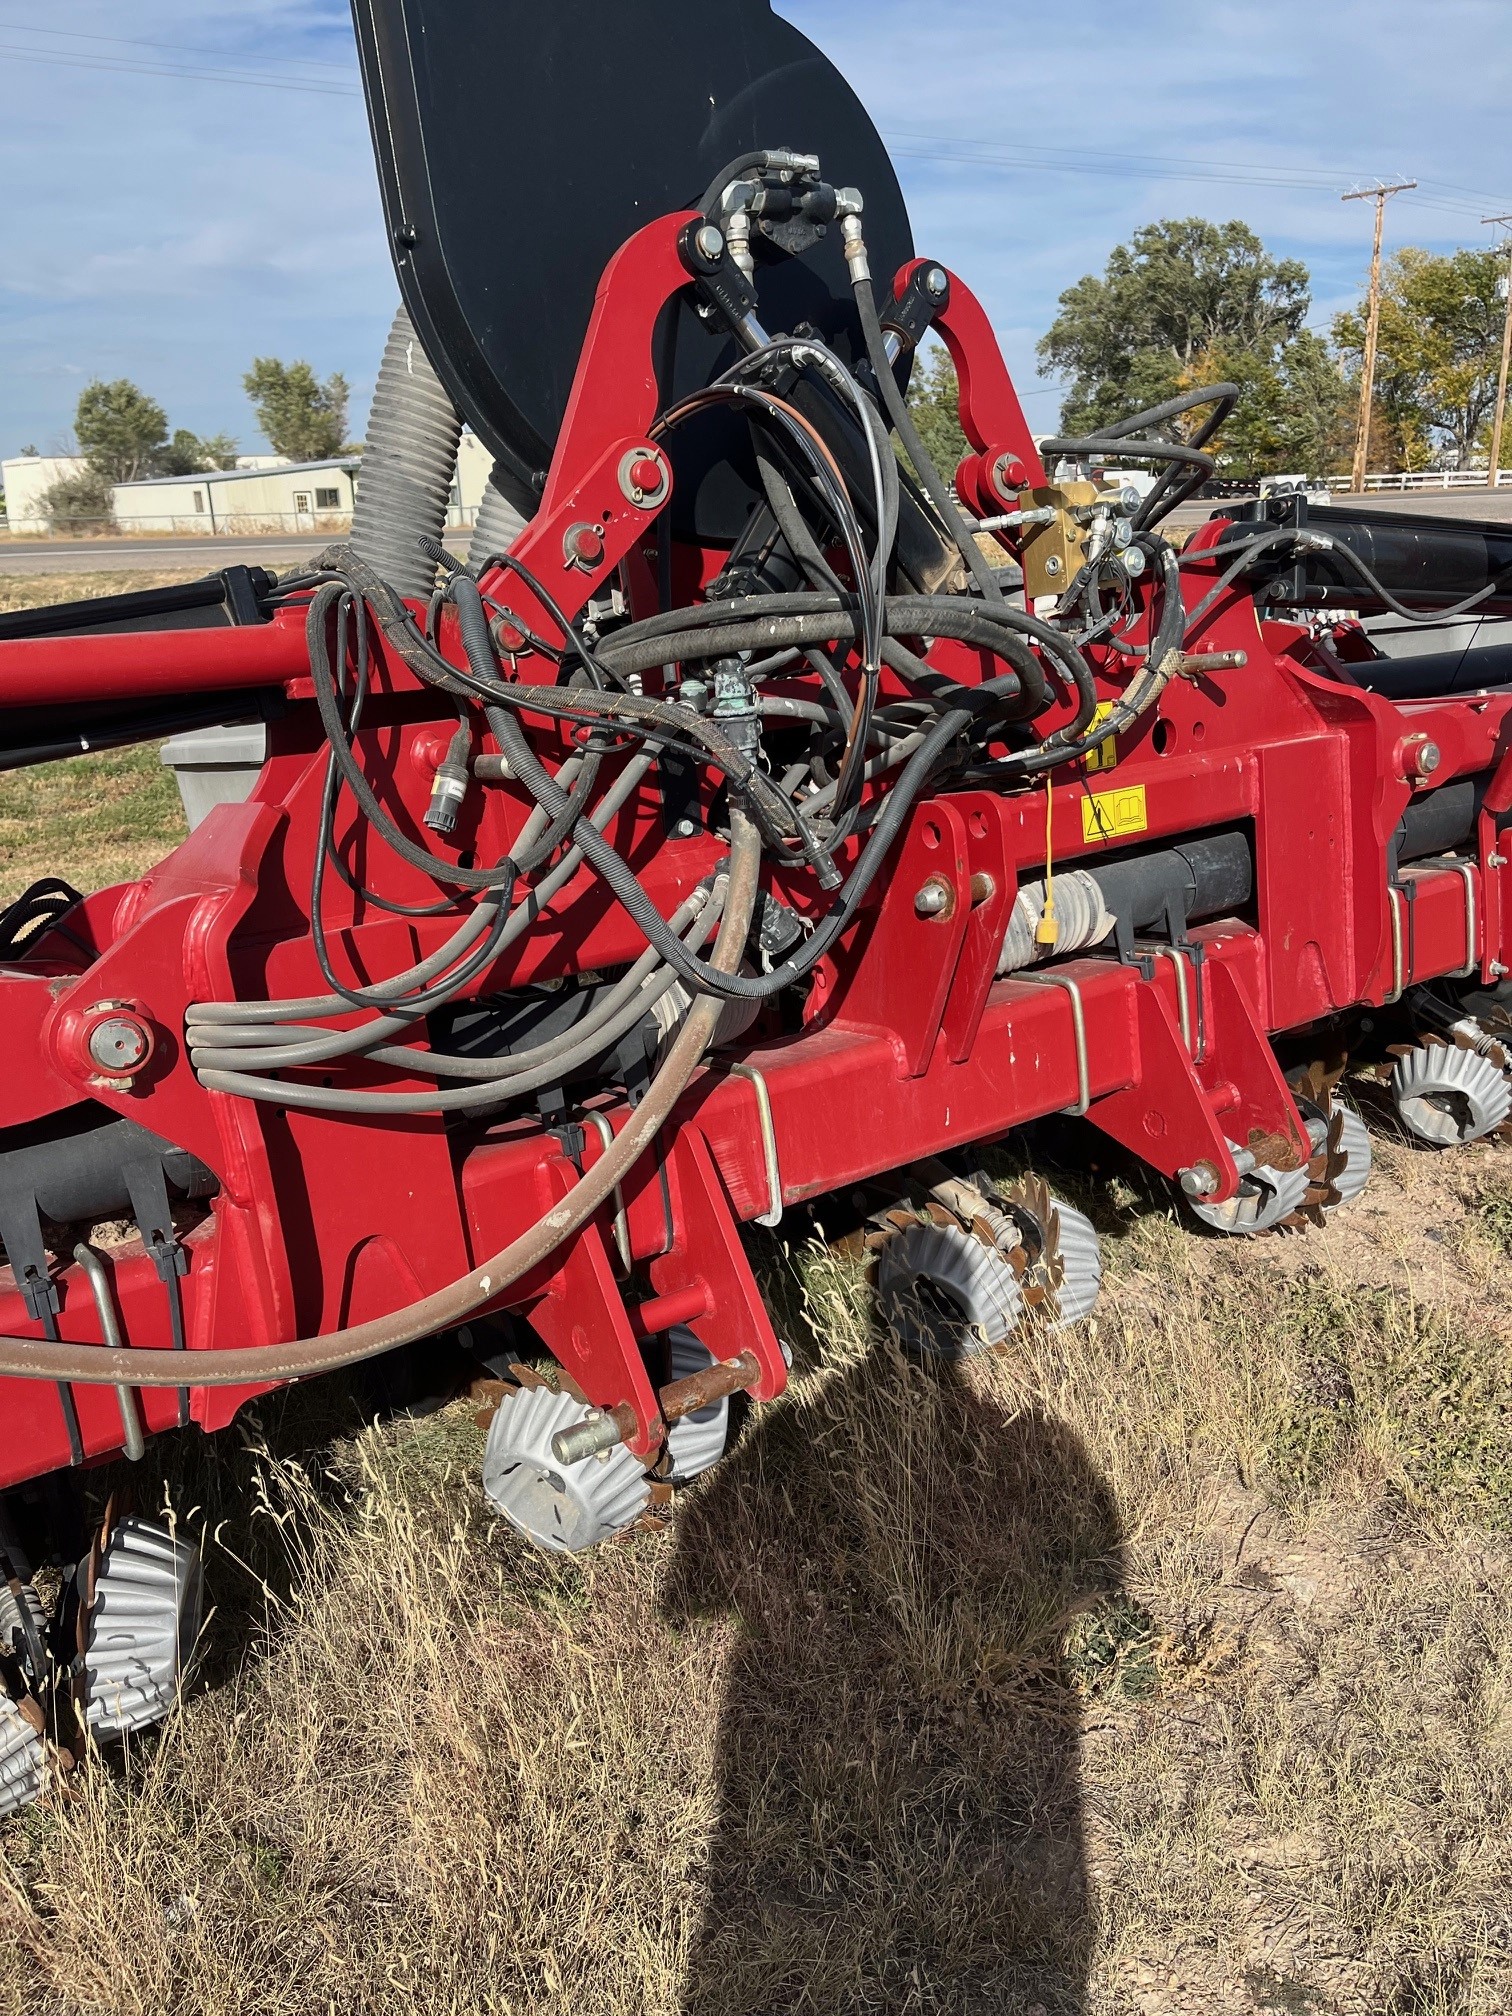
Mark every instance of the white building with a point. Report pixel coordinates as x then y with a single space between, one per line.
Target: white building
279 497
474 464
27 478
262 494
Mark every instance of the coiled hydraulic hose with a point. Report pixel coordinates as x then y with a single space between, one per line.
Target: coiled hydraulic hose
79 1364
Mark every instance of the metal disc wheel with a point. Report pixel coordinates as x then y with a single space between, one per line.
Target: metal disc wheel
563 1507
945 1293
1059 1253
23 1754
982 1262
1266 1198
1446 1096
1341 1160
142 1603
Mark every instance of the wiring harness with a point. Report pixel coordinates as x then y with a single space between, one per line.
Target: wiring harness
776 691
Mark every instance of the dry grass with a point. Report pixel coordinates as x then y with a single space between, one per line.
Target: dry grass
1165 1666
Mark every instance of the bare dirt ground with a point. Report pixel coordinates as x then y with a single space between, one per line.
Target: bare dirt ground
1158 1667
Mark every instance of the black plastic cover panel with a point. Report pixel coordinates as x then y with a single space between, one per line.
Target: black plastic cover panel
520 142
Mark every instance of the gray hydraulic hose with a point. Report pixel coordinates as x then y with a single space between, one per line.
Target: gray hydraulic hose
407 465
80 1364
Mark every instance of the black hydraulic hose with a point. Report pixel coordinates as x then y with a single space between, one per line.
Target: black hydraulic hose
1287 535
913 447
252 1024
775 622
1070 743
1337 550
323 679
732 171
1117 440
699 974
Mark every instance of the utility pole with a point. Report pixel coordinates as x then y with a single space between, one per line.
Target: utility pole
1501 383
1380 192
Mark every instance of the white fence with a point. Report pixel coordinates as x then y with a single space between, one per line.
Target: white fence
253 525
1428 479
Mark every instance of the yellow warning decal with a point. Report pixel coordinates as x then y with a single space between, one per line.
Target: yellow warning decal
1105 755
1106 815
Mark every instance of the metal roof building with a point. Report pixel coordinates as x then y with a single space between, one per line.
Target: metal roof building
286 497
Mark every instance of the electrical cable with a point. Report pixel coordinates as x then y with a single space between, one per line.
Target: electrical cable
26 1358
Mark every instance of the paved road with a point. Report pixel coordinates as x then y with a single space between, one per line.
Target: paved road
156 556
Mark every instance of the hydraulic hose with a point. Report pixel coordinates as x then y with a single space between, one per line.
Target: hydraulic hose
913 447
80 1364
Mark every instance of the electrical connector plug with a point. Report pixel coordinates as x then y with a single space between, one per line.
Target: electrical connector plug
453 775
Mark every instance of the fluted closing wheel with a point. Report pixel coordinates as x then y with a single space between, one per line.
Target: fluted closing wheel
563 1507
945 1293
23 1754
1446 1096
1264 1198
1354 1141
697 1441
143 1614
1080 1253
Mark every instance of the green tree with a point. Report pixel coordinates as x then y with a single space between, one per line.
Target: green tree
1294 411
1179 292
121 432
932 401
191 454
78 502
302 416
1440 346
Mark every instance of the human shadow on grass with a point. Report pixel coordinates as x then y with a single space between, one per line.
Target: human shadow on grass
900 1823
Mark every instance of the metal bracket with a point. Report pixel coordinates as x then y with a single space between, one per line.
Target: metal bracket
1472 958
773 1213
1079 1028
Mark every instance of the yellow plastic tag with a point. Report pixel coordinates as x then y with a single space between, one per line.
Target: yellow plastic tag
1106 815
1105 755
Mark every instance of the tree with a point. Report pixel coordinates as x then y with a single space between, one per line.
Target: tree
77 500
121 431
1180 291
302 417
1294 410
190 454
1440 347
932 397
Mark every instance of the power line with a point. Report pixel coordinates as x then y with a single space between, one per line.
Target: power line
125 67
1039 159
176 48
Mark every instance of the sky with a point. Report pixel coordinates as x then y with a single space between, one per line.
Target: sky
202 191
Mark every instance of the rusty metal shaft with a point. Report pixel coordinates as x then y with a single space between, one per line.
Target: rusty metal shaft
684 1396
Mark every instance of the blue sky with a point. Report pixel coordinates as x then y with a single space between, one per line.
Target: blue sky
202 191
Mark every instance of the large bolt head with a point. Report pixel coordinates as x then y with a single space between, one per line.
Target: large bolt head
119 1045
936 282
583 546
709 242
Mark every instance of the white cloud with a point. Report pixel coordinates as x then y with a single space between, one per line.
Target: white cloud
168 228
